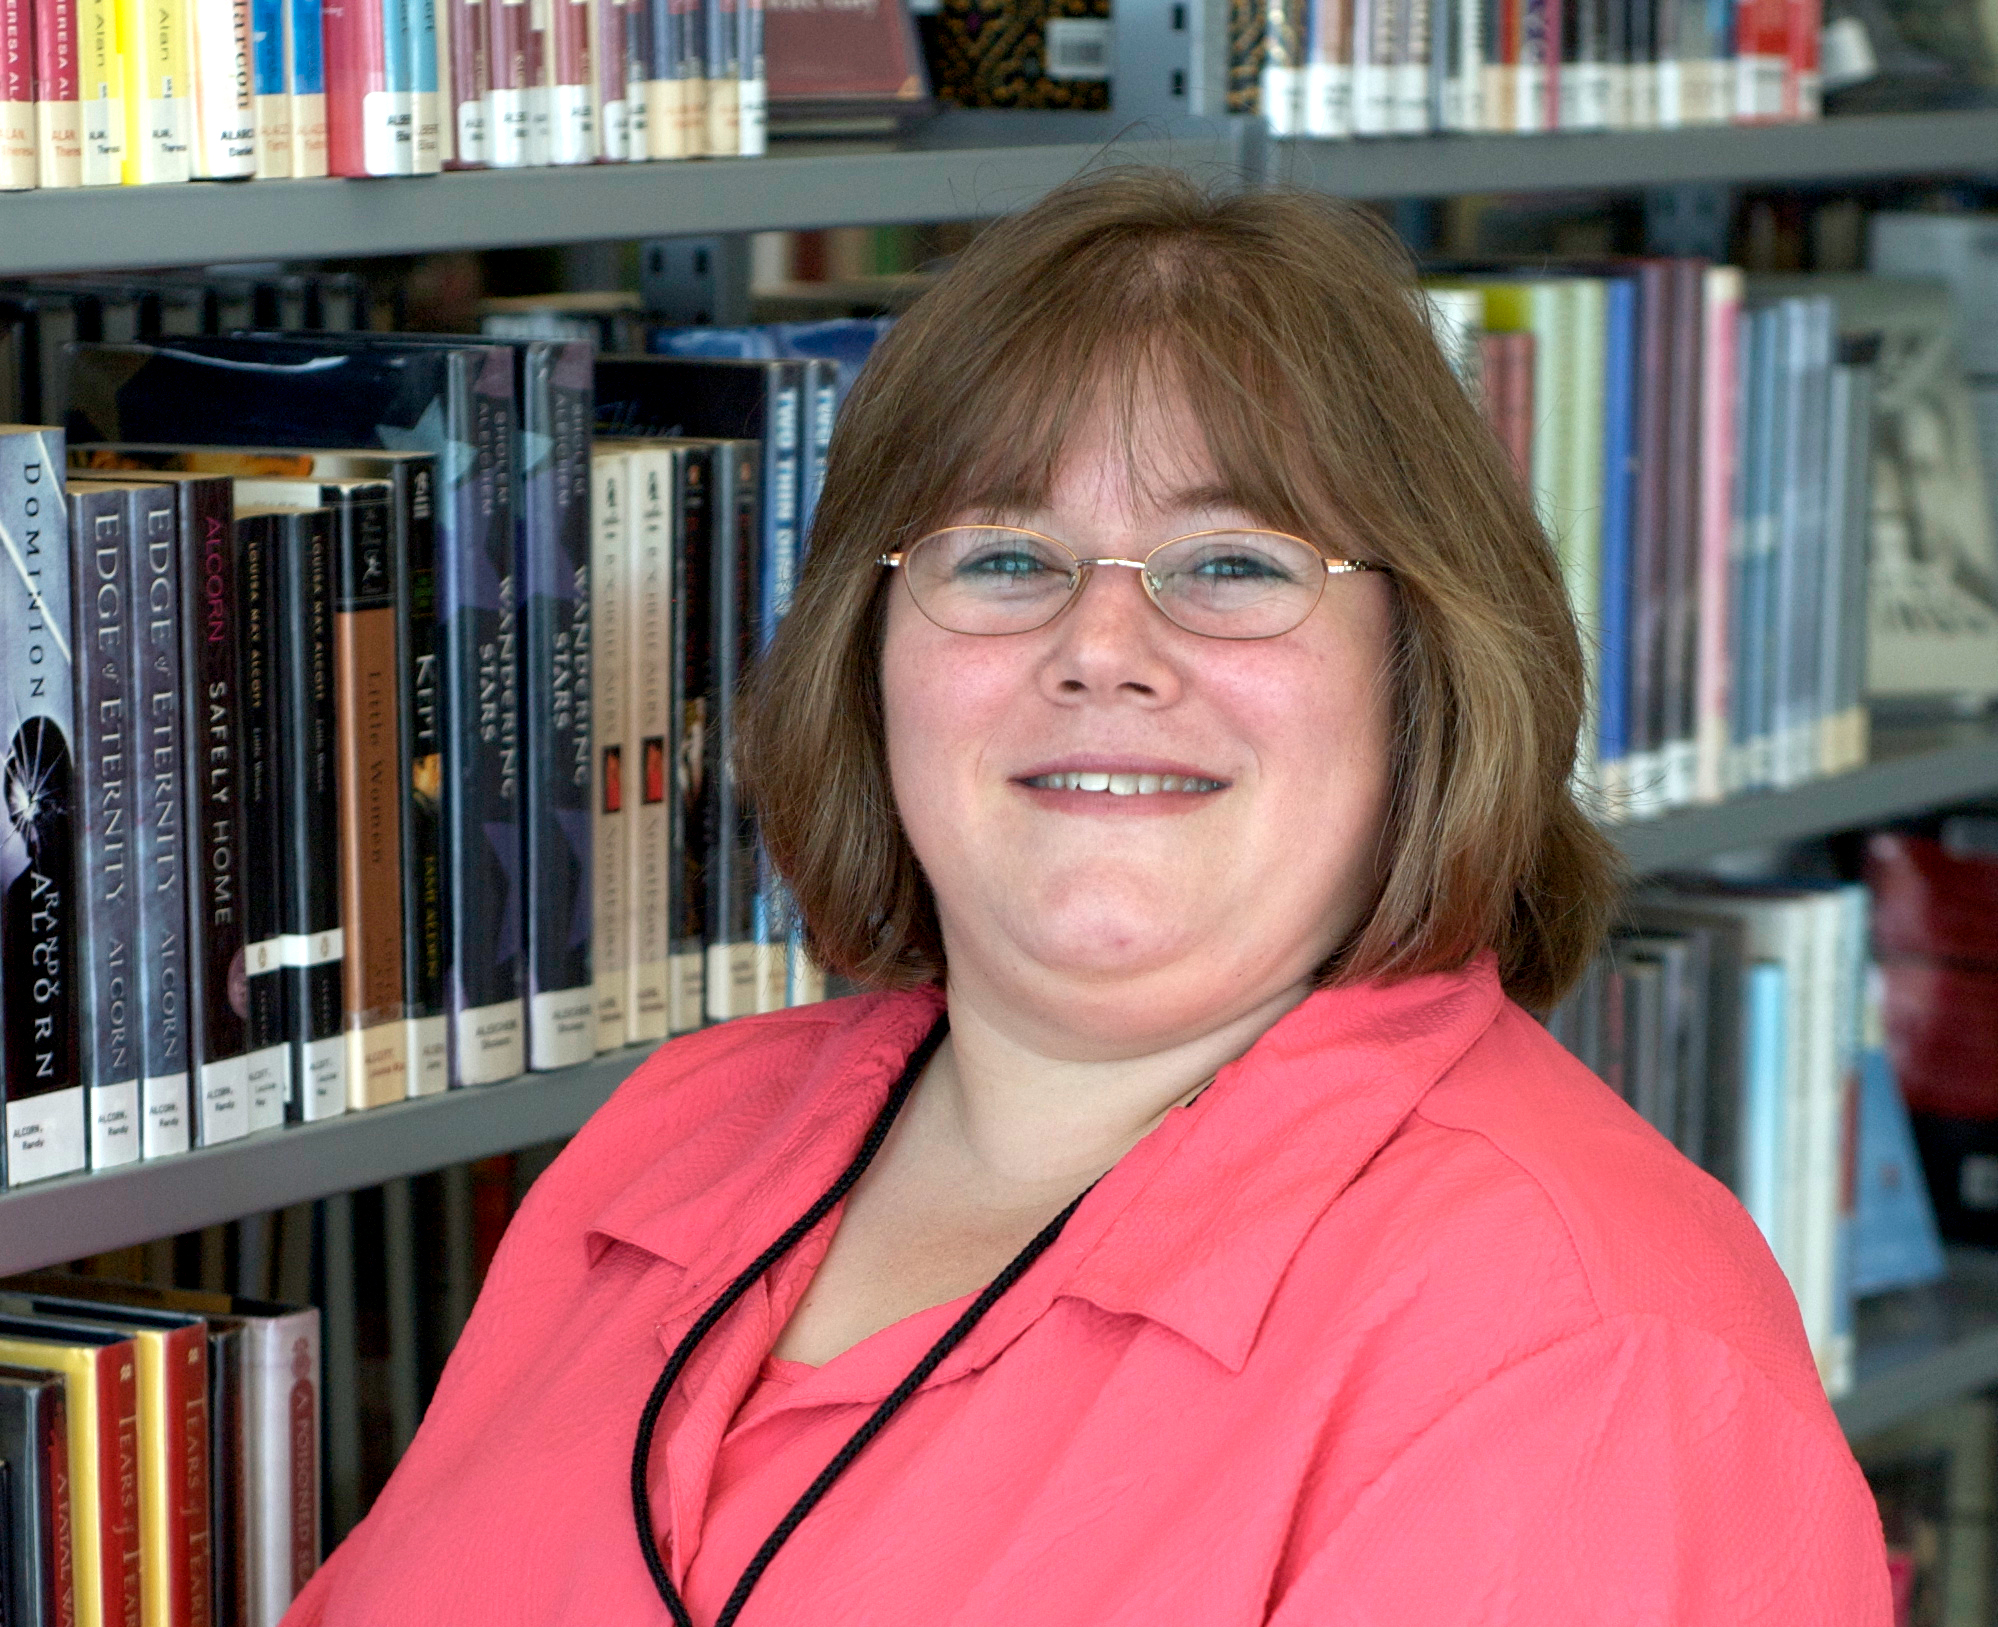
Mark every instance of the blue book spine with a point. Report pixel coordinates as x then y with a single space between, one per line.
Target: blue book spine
305 78
1762 1115
399 80
425 108
106 784
41 1078
1619 492
783 471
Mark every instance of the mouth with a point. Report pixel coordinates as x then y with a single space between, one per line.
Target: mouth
1126 785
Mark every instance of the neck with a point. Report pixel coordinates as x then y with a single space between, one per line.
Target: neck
1030 1105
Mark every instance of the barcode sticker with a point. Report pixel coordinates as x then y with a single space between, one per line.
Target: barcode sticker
1078 47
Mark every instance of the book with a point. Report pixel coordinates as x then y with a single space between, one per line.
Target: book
1005 53
470 77
267 1051
101 94
752 87
367 117
722 73
305 81
41 1077
175 1560
429 134
270 91
40 1540
19 164
510 71
1895 1244
153 49
613 670
222 111
58 98
610 65
406 395
107 787
99 1369
830 64
735 958
279 1407
571 88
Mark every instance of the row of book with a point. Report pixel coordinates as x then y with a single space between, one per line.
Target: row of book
159 1452
325 789
116 92
1341 68
1705 449
1743 1021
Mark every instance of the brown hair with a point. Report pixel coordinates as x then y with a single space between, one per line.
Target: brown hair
1293 326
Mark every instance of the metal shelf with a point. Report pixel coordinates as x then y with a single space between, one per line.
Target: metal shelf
1916 770
960 167
1853 148
78 1215
1925 1346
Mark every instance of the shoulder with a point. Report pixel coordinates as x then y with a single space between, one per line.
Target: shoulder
1552 1166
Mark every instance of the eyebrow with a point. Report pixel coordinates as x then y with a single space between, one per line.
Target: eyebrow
1185 498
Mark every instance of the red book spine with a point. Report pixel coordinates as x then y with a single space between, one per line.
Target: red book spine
118 1485
18 168
302 1412
470 83
188 1537
356 71
510 62
1762 58
572 89
1803 90
62 1533
58 117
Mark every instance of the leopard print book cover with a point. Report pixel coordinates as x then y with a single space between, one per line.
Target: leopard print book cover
992 53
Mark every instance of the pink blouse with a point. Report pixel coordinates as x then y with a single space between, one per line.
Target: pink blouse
1406 1321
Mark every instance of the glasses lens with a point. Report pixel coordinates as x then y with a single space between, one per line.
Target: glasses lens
1237 584
989 579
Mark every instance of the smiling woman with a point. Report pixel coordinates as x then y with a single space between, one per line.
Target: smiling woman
1173 732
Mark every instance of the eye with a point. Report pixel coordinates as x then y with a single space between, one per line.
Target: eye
1239 567
1003 563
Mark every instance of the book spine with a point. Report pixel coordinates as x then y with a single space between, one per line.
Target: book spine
479 640
1533 63
471 85
419 23
311 945
540 68
224 144
1803 85
106 789
211 786
1682 530
115 1398
100 110
1281 93
508 117
229 1513
305 80
752 95
1856 541
688 753
271 100
687 39
721 75
610 57
553 577
444 117
572 107
1828 734
175 1571
1328 70
1619 474
41 1077
1720 365
1758 460
366 119
1373 85
165 1103
732 950
58 1527
1413 42
1667 20
396 121
58 108
153 45
610 659
364 686
420 703
1762 60
652 738
1649 568
18 138
283 1470
267 1054
637 78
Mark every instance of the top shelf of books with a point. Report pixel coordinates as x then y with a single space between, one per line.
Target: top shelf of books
963 167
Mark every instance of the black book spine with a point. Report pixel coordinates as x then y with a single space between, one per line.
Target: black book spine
166 1109
421 701
40 1584
690 748
481 665
553 582
212 724
267 1081
40 1062
106 789
733 596
309 806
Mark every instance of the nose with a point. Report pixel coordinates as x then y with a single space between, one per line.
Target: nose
1111 641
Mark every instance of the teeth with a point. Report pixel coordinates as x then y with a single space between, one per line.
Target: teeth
1125 785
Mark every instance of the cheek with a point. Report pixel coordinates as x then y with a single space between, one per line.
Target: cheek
938 693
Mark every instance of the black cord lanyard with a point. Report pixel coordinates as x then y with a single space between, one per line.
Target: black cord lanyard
641 1455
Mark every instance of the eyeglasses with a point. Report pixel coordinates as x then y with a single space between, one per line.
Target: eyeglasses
993 579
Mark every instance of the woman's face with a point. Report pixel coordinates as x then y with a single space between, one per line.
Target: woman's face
1137 915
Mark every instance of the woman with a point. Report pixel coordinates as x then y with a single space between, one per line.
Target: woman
1201 900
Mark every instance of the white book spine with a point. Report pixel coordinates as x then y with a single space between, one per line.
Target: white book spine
168 1115
46 1136
322 1072
614 778
1328 100
114 1124
649 734
266 1084
281 1460
429 1055
487 1043
225 124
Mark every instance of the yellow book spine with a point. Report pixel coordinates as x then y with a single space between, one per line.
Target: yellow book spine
152 40
100 80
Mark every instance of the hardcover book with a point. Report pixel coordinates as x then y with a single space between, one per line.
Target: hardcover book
41 1077
223 144
305 80
100 1373
613 675
107 792
101 97
153 49
1043 54
40 1539
58 109
270 93
18 165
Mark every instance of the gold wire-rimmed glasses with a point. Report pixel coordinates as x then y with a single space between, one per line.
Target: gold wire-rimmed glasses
989 580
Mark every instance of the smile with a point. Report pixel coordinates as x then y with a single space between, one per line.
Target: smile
1124 785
